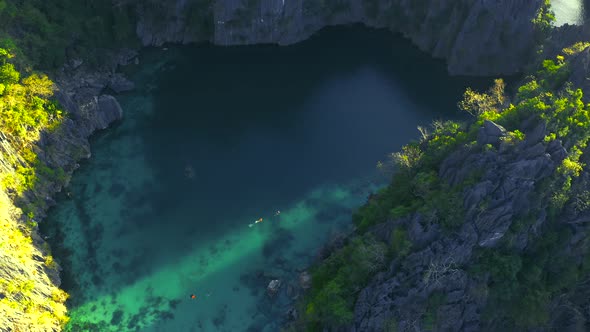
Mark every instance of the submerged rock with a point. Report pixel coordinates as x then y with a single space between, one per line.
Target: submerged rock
273 287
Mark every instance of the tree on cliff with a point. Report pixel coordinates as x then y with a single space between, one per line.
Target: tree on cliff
29 300
476 103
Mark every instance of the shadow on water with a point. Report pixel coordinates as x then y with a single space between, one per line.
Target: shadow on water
236 133
239 116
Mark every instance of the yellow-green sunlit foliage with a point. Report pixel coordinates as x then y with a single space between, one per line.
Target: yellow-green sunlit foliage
518 293
25 111
29 300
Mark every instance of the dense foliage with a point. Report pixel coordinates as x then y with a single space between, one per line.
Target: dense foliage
543 21
25 112
45 33
520 287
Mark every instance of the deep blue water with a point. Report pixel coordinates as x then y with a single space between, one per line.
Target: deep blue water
214 138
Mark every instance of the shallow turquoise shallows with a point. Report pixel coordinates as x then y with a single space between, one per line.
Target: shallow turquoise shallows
214 138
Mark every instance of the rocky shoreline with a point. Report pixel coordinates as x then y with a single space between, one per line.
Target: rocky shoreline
83 93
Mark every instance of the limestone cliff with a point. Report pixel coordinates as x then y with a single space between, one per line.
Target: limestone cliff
510 223
30 299
476 37
494 203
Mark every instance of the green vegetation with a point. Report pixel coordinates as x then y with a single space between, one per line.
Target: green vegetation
400 244
25 112
478 103
43 33
336 282
435 300
416 186
28 294
543 21
520 287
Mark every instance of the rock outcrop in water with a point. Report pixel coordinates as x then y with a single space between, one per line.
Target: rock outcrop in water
475 37
81 92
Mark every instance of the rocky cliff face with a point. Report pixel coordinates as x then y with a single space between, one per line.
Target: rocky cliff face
476 37
27 271
506 209
81 93
493 204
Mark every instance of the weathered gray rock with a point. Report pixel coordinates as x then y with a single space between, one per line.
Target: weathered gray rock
273 287
579 77
556 150
490 133
534 151
493 224
75 63
565 36
477 193
110 111
120 83
475 36
503 193
125 57
422 231
535 135
538 167
449 167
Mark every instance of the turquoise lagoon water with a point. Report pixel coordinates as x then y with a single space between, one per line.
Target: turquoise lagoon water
214 138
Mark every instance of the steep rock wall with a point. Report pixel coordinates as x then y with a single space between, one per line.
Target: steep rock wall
476 37
27 271
504 204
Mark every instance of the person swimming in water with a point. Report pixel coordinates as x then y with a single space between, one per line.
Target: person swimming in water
277 213
256 222
193 296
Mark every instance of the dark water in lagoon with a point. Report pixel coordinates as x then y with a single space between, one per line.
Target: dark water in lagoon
216 137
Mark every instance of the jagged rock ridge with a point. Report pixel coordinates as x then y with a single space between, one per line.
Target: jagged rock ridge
476 37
